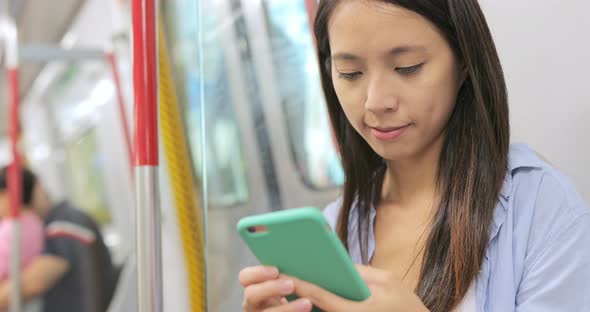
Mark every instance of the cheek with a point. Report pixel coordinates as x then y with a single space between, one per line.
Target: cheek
433 115
351 101
437 97
439 108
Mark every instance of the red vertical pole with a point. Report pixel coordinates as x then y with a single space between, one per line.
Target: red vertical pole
14 171
121 104
145 82
148 235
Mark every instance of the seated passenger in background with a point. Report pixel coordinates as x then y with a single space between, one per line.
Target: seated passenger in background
74 271
31 229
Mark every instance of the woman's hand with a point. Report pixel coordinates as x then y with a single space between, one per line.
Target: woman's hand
265 290
387 295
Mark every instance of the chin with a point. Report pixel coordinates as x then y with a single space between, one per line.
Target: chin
393 151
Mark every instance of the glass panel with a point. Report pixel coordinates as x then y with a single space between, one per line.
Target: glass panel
208 82
302 98
213 57
225 159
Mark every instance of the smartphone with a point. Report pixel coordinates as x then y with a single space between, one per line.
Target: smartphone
301 243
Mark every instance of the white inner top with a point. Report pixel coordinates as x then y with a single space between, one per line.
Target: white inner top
468 302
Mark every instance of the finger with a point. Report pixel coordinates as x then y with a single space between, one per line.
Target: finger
372 275
299 305
269 303
257 274
262 294
321 298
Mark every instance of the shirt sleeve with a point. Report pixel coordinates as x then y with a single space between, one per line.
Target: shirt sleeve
31 231
558 278
5 240
32 237
65 239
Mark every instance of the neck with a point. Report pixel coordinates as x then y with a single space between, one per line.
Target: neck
43 209
409 179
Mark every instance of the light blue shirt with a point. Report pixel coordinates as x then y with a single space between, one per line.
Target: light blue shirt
538 258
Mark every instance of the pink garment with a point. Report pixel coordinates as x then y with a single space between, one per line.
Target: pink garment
31 241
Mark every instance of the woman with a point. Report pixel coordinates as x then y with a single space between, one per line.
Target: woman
31 229
441 211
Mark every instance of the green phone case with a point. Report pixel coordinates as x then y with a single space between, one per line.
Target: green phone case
300 243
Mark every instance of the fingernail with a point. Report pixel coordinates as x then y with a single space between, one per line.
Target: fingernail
303 305
271 271
287 286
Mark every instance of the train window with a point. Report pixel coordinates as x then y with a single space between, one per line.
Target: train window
207 84
75 98
311 142
84 168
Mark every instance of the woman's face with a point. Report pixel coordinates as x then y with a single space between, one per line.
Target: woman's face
395 76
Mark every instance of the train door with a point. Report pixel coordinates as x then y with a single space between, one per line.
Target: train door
307 165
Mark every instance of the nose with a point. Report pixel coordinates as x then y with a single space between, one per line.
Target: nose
381 95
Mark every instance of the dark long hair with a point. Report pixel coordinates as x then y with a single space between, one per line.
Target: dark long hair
472 164
28 183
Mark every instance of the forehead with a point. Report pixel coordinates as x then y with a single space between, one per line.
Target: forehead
363 25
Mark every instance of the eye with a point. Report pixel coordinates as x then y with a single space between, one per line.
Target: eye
349 76
409 69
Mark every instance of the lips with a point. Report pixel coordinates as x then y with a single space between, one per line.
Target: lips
388 133
387 129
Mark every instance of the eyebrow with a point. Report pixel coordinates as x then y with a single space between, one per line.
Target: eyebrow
393 52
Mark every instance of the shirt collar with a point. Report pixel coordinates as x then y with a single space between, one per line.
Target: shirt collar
520 156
